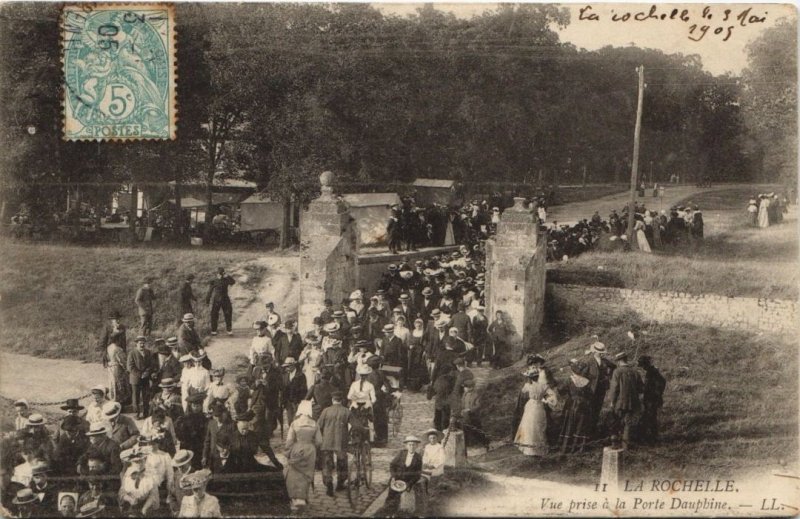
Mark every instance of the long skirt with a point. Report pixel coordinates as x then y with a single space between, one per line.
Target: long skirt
299 471
641 240
763 216
118 389
576 425
531 437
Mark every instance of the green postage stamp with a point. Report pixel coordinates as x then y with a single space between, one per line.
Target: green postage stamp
119 71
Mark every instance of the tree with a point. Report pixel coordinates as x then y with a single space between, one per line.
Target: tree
769 102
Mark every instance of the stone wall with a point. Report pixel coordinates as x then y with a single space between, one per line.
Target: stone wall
602 304
515 276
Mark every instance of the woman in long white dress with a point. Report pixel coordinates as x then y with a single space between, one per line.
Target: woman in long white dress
531 435
763 212
311 357
641 238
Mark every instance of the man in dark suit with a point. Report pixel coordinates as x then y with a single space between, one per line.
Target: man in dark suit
435 334
167 365
140 366
599 370
218 298
220 424
267 383
461 320
333 425
404 304
244 444
288 343
186 297
102 445
320 393
652 399
406 467
394 352
626 384
426 304
188 340
294 387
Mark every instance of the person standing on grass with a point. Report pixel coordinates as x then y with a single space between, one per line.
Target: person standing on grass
186 297
140 365
626 384
652 399
599 374
145 297
218 298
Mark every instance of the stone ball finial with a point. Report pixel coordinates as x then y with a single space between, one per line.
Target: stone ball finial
326 178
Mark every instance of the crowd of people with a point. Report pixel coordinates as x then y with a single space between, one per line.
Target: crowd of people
652 230
329 388
766 209
636 395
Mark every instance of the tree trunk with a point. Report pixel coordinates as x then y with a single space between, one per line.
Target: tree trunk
287 205
133 211
209 205
178 208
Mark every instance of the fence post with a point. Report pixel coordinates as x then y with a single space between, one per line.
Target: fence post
611 471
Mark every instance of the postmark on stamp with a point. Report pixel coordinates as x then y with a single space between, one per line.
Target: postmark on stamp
119 71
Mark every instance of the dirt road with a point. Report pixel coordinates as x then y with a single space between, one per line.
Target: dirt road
54 380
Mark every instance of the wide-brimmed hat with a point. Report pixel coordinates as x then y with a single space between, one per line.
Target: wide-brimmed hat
91 509
198 355
40 468
25 496
182 457
186 358
188 317
388 328
427 291
404 297
71 403
439 434
21 403
597 347
331 327
97 429
111 410
363 369
132 454
172 342
289 361
398 485
35 420
411 439
196 479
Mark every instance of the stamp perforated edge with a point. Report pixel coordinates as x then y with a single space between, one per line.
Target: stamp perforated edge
172 64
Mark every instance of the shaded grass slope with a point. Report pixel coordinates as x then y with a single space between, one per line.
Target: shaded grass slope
730 404
54 299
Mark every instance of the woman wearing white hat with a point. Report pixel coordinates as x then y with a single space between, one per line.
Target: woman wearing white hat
311 358
302 441
362 390
177 492
200 504
406 470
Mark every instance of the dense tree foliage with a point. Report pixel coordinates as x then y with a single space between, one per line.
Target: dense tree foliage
770 100
276 92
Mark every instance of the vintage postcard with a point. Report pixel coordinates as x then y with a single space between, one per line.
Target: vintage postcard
119 71
399 260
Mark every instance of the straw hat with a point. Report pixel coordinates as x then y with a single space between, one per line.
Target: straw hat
111 410
97 429
188 317
24 496
363 369
398 485
196 479
411 439
35 420
182 457
439 434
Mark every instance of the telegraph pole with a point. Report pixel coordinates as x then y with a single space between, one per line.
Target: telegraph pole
635 164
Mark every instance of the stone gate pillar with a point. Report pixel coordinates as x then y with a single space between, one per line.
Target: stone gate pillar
515 276
327 253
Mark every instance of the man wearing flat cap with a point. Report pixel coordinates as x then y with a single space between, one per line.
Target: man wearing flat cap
626 384
188 339
218 298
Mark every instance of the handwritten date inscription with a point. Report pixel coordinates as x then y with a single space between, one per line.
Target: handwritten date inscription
712 20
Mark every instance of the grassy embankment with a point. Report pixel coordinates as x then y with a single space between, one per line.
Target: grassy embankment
55 299
731 402
734 259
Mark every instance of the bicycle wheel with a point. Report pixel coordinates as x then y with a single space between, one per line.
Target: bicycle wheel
367 460
353 482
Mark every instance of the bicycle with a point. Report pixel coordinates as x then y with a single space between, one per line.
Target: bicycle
360 468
